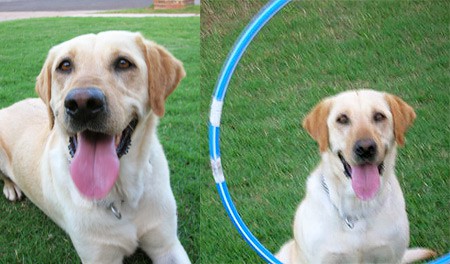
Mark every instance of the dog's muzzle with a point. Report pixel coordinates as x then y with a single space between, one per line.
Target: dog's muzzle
95 164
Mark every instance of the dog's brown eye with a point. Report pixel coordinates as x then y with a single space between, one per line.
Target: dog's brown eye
343 119
123 64
378 117
65 66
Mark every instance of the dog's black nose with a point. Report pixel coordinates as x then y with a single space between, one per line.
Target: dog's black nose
85 103
365 149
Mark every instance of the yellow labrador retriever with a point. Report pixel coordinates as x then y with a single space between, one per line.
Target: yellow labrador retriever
87 154
354 210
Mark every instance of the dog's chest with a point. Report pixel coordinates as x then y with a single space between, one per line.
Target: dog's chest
351 235
366 242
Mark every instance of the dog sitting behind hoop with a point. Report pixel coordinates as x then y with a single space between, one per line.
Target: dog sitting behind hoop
354 210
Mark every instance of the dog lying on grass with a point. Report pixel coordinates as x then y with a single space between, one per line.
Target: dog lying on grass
87 153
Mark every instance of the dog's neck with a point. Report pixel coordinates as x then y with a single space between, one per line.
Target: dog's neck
348 219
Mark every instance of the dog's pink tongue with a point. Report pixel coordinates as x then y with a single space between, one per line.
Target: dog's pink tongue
95 166
365 181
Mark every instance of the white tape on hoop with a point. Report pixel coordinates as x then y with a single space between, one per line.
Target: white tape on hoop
216 112
216 166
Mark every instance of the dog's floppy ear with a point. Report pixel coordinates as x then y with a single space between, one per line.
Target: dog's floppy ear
316 123
164 74
44 87
403 116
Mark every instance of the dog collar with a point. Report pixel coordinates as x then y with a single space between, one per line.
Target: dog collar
115 210
349 220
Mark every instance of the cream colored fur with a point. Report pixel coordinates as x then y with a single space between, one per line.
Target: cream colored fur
34 158
322 225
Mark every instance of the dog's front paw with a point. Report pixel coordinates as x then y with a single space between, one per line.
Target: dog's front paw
11 191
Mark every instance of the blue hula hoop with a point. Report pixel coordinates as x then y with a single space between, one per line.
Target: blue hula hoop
445 259
252 29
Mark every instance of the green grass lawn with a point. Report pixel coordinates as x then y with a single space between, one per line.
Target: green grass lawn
27 235
310 50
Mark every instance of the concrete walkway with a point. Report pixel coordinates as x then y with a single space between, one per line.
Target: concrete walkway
5 16
70 5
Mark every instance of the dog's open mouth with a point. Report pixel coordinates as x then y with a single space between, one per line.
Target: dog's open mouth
123 141
95 160
365 177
